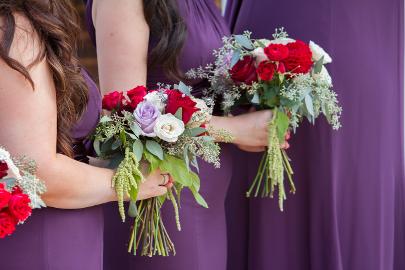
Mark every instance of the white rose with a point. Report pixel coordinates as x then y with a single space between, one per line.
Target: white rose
283 41
259 55
168 127
318 52
323 77
156 98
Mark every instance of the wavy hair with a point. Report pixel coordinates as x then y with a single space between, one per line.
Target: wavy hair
56 23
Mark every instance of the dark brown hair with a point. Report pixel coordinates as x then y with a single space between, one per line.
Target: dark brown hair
169 30
56 24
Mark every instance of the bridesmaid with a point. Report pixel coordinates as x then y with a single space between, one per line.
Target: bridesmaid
349 210
46 112
145 42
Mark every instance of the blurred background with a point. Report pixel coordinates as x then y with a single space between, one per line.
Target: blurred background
87 51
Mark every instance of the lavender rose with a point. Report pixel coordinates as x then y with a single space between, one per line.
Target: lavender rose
146 114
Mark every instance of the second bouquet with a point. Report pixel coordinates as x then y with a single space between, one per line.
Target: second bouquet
148 130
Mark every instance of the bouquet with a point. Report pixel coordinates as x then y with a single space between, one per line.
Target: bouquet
282 74
158 129
20 191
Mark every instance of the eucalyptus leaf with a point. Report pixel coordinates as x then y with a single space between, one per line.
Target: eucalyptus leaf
261 44
132 209
184 88
186 157
255 99
207 138
116 144
115 161
9 182
244 41
96 146
179 113
154 148
318 65
137 148
132 136
309 105
106 146
235 58
194 163
194 132
105 119
136 129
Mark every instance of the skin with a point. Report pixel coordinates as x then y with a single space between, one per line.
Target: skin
122 36
28 118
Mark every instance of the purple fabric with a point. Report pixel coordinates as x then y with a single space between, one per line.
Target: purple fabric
349 210
55 239
202 242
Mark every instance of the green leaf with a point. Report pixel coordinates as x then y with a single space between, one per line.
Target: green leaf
179 113
123 137
96 146
260 43
318 66
132 209
198 198
309 105
105 119
194 163
137 148
255 99
244 41
136 129
184 88
106 146
116 144
177 168
186 158
154 148
115 161
235 58
282 122
207 138
9 182
132 136
154 162
194 132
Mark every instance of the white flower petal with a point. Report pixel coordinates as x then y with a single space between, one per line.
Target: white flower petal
318 52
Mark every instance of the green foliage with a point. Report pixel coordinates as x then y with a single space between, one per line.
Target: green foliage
154 148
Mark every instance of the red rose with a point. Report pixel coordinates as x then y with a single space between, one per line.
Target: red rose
281 68
4 196
136 96
266 70
19 206
7 223
276 52
176 100
112 100
299 59
244 71
3 169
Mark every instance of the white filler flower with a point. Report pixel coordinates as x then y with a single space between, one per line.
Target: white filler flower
259 55
318 52
168 127
283 41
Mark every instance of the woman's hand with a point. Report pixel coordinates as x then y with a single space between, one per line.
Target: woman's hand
250 130
156 184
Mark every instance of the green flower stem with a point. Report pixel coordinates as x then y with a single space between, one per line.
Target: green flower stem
257 178
176 208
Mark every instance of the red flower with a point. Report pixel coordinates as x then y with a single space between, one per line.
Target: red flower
276 52
136 96
266 70
281 68
176 100
112 100
3 169
7 223
4 196
244 71
299 59
19 206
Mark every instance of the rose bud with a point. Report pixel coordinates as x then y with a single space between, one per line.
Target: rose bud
112 100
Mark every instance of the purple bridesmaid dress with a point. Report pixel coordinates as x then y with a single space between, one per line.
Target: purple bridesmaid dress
56 239
202 243
349 210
